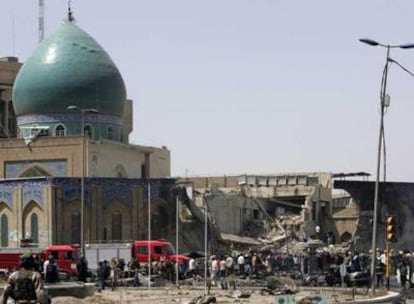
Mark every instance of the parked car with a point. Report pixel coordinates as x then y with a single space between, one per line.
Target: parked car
357 278
314 279
333 276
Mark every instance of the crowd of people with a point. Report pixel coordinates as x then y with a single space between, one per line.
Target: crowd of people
253 264
33 271
323 261
115 270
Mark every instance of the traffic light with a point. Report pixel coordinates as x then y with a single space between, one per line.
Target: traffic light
391 229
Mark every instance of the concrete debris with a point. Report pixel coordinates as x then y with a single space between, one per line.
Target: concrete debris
203 300
240 294
270 239
94 299
281 284
240 239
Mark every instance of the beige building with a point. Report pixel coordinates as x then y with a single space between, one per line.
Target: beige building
9 67
76 156
68 173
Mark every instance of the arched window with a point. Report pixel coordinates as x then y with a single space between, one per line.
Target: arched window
35 171
88 131
105 234
110 133
34 228
12 119
4 231
346 236
75 228
3 115
117 226
60 130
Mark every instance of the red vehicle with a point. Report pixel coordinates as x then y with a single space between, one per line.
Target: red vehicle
66 256
141 250
154 250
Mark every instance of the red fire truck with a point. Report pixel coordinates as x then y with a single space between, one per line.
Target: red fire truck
142 250
154 250
66 256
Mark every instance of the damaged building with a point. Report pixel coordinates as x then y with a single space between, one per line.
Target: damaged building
253 209
394 198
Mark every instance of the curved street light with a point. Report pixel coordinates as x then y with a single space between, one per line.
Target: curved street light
401 66
372 42
384 103
83 112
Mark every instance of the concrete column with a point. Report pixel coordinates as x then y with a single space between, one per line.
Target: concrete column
93 215
134 213
50 218
17 228
19 215
98 213
148 169
318 205
57 234
141 215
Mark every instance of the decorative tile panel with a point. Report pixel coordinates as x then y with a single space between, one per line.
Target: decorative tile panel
33 193
68 117
55 167
6 195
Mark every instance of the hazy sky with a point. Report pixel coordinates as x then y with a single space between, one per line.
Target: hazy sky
250 86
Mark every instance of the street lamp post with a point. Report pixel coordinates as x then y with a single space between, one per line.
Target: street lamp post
176 239
384 103
83 112
205 242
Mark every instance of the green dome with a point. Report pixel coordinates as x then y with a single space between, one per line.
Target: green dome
69 68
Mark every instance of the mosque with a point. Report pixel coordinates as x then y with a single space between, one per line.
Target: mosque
68 173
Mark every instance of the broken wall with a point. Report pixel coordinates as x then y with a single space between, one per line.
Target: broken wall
233 213
394 198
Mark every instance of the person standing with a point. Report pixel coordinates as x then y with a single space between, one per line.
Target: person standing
50 270
37 265
192 267
240 264
82 268
253 263
403 273
114 273
379 268
24 285
101 274
214 270
229 265
133 266
223 273
222 268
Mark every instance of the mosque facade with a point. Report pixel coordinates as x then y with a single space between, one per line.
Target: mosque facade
67 171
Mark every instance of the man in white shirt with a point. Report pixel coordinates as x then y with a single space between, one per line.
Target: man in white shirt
214 270
240 263
229 265
222 268
192 268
